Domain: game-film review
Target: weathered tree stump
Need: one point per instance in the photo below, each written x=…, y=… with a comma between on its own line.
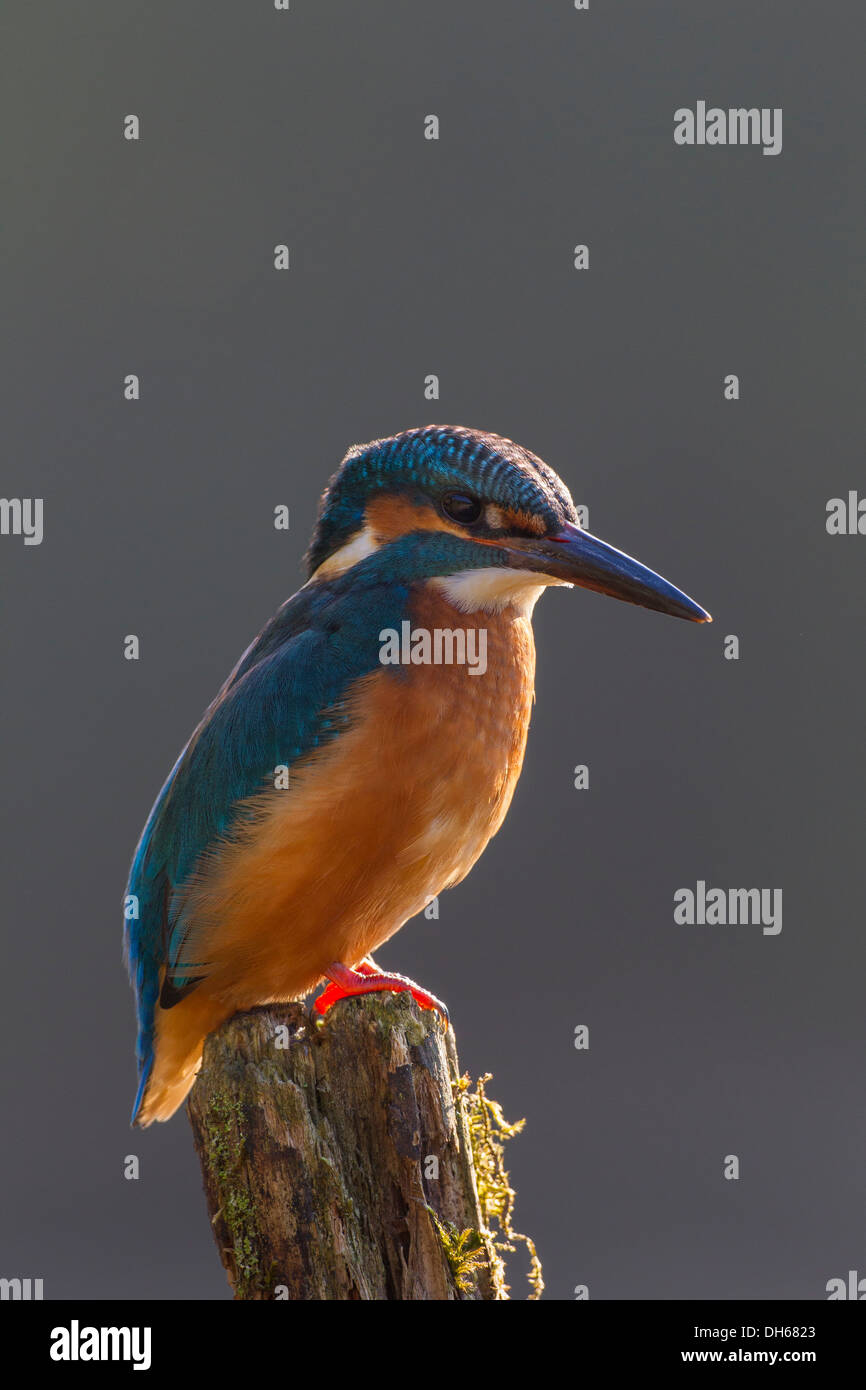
x=336, y=1156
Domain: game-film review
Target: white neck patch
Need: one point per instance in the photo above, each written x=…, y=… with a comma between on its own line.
x=491, y=590
x=355, y=550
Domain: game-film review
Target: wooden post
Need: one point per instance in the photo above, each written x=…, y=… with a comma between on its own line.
x=336, y=1156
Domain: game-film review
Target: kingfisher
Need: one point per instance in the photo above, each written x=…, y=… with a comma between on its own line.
x=329, y=794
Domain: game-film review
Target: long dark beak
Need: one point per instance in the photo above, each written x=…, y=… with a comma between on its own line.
x=576, y=557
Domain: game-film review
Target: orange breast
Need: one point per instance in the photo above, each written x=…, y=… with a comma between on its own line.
x=374, y=825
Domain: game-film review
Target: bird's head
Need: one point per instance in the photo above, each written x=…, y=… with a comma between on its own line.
x=483, y=517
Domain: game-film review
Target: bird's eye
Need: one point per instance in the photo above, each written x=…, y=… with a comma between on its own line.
x=461, y=507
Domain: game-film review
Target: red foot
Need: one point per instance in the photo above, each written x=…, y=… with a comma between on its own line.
x=367, y=978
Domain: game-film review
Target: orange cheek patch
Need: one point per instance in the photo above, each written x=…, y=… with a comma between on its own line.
x=391, y=517
x=388, y=518
x=523, y=521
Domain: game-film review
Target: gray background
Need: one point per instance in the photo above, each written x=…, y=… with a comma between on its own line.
x=454, y=257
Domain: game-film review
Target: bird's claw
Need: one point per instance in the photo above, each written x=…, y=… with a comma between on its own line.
x=349, y=984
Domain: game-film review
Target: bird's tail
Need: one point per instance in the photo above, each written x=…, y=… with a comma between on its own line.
x=179, y=1036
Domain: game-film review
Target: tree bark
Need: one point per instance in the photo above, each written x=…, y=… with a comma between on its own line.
x=336, y=1156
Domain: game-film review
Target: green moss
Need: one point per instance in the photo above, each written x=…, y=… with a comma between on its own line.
x=465, y=1252
x=388, y=1011
x=488, y=1132
x=226, y=1143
